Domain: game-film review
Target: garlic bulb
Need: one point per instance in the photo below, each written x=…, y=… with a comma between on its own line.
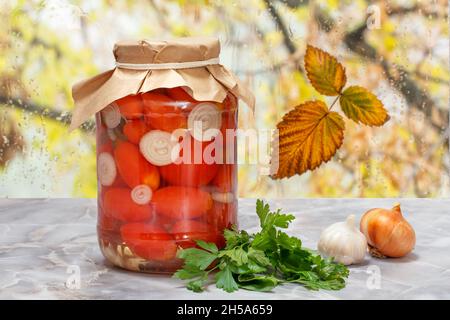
x=387, y=232
x=344, y=242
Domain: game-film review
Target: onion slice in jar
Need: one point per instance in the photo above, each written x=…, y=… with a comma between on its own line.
x=111, y=134
x=223, y=197
x=204, y=121
x=107, y=170
x=141, y=194
x=111, y=116
x=159, y=148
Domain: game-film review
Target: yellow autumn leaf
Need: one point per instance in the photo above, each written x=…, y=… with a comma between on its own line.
x=361, y=105
x=308, y=135
x=324, y=72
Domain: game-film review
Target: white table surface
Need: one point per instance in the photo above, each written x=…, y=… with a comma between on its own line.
x=43, y=242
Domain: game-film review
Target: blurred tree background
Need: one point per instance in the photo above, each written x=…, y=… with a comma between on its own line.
x=47, y=46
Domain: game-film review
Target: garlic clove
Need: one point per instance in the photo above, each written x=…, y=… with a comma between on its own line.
x=350, y=221
x=344, y=242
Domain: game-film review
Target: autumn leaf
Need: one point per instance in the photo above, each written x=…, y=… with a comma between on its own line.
x=360, y=105
x=324, y=72
x=308, y=135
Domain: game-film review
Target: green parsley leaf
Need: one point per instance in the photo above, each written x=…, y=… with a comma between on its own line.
x=262, y=210
x=258, y=256
x=335, y=284
x=238, y=255
x=282, y=220
x=208, y=246
x=249, y=268
x=287, y=242
x=197, y=257
x=235, y=238
x=272, y=219
x=257, y=282
x=188, y=272
x=225, y=280
x=265, y=241
x=196, y=285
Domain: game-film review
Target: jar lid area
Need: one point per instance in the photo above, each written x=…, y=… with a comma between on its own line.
x=166, y=51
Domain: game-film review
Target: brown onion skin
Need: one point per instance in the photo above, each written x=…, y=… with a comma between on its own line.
x=388, y=232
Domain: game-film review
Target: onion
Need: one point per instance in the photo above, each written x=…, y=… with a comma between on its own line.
x=111, y=134
x=141, y=194
x=111, y=116
x=204, y=121
x=106, y=168
x=159, y=148
x=387, y=232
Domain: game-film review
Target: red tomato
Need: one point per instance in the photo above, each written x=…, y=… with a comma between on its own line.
x=222, y=215
x=108, y=227
x=193, y=171
x=118, y=183
x=134, y=130
x=163, y=221
x=229, y=121
x=230, y=102
x=108, y=223
x=225, y=179
x=187, y=231
x=117, y=203
x=131, y=107
x=179, y=94
x=162, y=113
x=133, y=167
x=103, y=138
x=181, y=202
x=225, y=144
x=149, y=241
x=105, y=147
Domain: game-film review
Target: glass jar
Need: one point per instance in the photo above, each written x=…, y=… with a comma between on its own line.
x=167, y=176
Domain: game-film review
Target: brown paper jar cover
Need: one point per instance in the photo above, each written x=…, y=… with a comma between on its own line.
x=207, y=83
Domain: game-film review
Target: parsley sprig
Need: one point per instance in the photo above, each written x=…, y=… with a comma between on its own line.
x=259, y=261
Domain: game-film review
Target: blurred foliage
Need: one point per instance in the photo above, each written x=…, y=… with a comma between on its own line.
x=47, y=46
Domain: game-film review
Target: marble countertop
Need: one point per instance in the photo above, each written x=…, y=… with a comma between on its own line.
x=48, y=250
